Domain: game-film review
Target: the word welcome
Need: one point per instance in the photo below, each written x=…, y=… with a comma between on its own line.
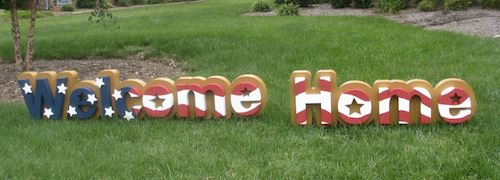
x=58, y=95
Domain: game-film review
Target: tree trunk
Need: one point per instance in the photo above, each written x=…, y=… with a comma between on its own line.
x=15, y=35
x=28, y=59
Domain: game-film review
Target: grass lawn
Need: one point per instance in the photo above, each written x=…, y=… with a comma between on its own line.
x=213, y=38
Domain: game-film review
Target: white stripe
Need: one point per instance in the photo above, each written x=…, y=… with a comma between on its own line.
x=236, y=101
x=346, y=99
x=447, y=90
x=326, y=78
x=200, y=100
x=323, y=98
x=220, y=104
x=444, y=110
x=299, y=79
x=423, y=91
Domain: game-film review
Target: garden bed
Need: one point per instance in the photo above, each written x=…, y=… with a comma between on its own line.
x=474, y=21
x=130, y=68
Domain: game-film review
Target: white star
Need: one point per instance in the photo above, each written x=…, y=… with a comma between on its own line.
x=109, y=111
x=27, y=88
x=71, y=111
x=117, y=94
x=61, y=88
x=128, y=115
x=48, y=112
x=99, y=82
x=91, y=98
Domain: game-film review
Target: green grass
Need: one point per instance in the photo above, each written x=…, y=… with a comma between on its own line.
x=213, y=38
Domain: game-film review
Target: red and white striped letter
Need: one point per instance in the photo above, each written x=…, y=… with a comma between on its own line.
x=303, y=96
x=456, y=103
x=354, y=102
x=248, y=95
x=404, y=92
x=200, y=86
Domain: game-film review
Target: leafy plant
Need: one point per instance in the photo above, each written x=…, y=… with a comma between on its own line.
x=340, y=3
x=101, y=14
x=362, y=3
x=427, y=5
x=301, y=3
x=260, y=6
x=490, y=4
x=288, y=9
x=67, y=7
x=137, y=2
x=457, y=5
x=391, y=6
x=88, y=4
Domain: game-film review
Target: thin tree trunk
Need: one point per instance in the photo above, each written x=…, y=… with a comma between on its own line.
x=16, y=37
x=28, y=59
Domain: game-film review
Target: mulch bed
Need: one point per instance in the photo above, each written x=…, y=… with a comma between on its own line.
x=474, y=21
x=129, y=68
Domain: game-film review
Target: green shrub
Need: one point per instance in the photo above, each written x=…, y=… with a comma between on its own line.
x=24, y=14
x=490, y=4
x=89, y=4
x=340, y=3
x=391, y=6
x=320, y=1
x=67, y=7
x=362, y=3
x=427, y=5
x=301, y=3
x=155, y=1
x=456, y=5
x=279, y=2
x=288, y=9
x=21, y=4
x=137, y=2
x=125, y=3
x=260, y=6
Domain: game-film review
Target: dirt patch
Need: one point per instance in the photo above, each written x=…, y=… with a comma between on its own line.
x=129, y=68
x=474, y=21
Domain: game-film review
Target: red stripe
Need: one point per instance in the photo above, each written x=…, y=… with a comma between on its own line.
x=405, y=95
x=238, y=89
x=199, y=112
x=252, y=112
x=157, y=90
x=183, y=110
x=300, y=87
x=301, y=117
x=404, y=116
x=358, y=93
x=215, y=88
x=448, y=98
x=324, y=85
x=326, y=117
x=155, y=113
x=425, y=120
x=384, y=118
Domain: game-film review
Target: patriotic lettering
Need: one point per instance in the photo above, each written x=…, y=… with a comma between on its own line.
x=388, y=102
x=313, y=100
x=52, y=95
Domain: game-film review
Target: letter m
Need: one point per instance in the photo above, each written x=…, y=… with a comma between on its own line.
x=402, y=102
